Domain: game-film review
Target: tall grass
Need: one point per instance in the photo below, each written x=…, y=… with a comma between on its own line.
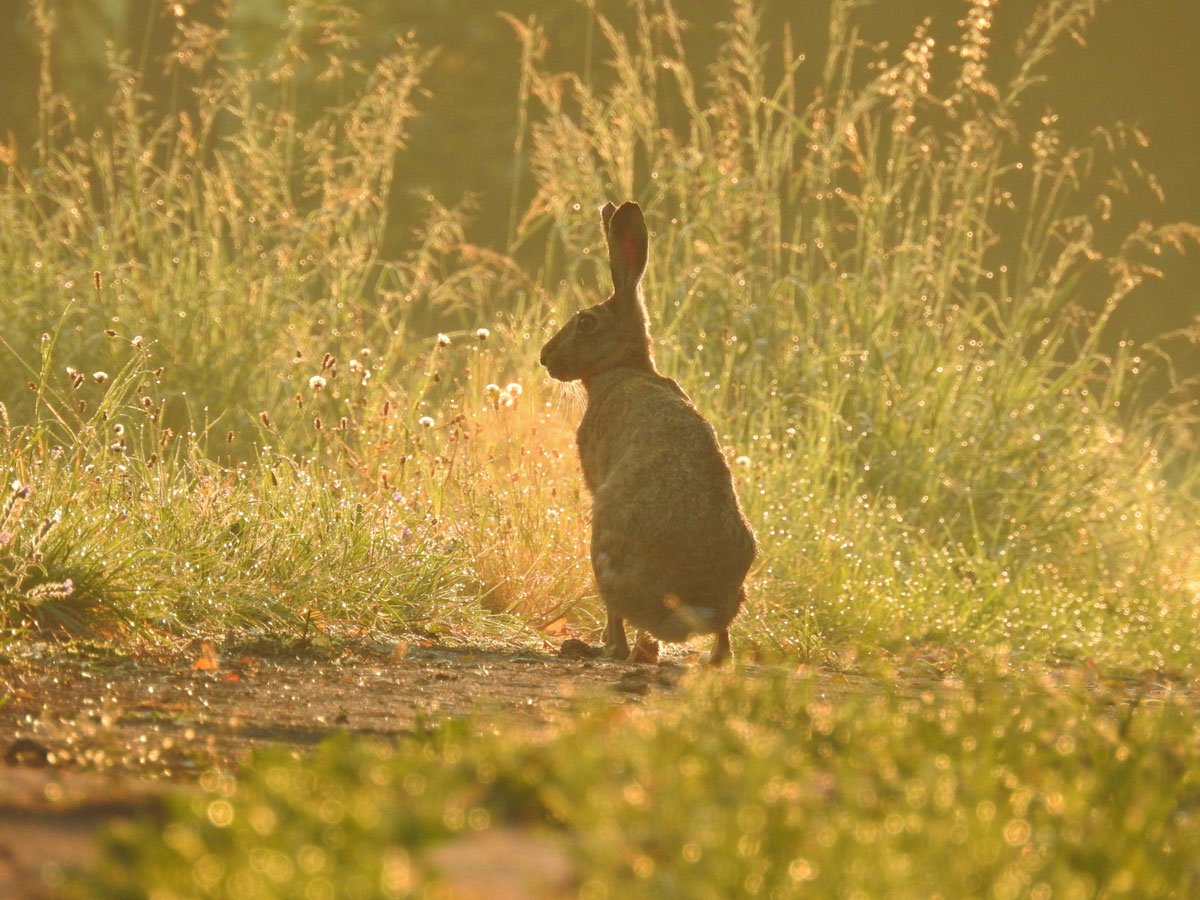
x=889, y=297
x=877, y=292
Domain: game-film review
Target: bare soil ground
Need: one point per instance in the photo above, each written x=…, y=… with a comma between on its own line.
x=92, y=738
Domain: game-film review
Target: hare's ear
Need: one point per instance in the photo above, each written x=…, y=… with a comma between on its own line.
x=606, y=215
x=626, y=232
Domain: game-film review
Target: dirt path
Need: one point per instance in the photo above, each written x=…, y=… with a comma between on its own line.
x=87, y=741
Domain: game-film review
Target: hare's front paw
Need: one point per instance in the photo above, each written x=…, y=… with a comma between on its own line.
x=615, y=644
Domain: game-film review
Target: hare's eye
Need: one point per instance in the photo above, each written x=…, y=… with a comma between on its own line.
x=586, y=324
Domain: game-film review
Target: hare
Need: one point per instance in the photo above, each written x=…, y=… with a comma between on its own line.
x=670, y=545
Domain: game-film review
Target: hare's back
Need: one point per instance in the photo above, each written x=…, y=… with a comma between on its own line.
x=661, y=487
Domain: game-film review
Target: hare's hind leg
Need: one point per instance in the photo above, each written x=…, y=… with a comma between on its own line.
x=645, y=649
x=615, y=644
x=721, y=651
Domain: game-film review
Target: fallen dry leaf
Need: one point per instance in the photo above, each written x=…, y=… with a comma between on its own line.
x=208, y=661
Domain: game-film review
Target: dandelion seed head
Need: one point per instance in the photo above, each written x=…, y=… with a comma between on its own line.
x=743, y=461
x=99, y=377
x=443, y=340
x=317, y=383
x=425, y=421
x=514, y=388
x=482, y=334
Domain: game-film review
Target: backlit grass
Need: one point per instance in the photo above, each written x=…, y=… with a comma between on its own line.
x=889, y=294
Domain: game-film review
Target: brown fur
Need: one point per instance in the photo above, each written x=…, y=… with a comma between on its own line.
x=670, y=545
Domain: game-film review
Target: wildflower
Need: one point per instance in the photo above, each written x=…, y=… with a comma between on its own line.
x=119, y=430
x=742, y=461
x=328, y=361
x=138, y=341
x=99, y=377
x=482, y=334
x=443, y=340
x=317, y=383
x=355, y=365
x=513, y=388
x=504, y=398
x=425, y=421
x=492, y=389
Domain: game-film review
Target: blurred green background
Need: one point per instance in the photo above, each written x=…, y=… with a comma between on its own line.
x=1138, y=64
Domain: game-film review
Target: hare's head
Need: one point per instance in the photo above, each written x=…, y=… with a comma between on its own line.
x=613, y=333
